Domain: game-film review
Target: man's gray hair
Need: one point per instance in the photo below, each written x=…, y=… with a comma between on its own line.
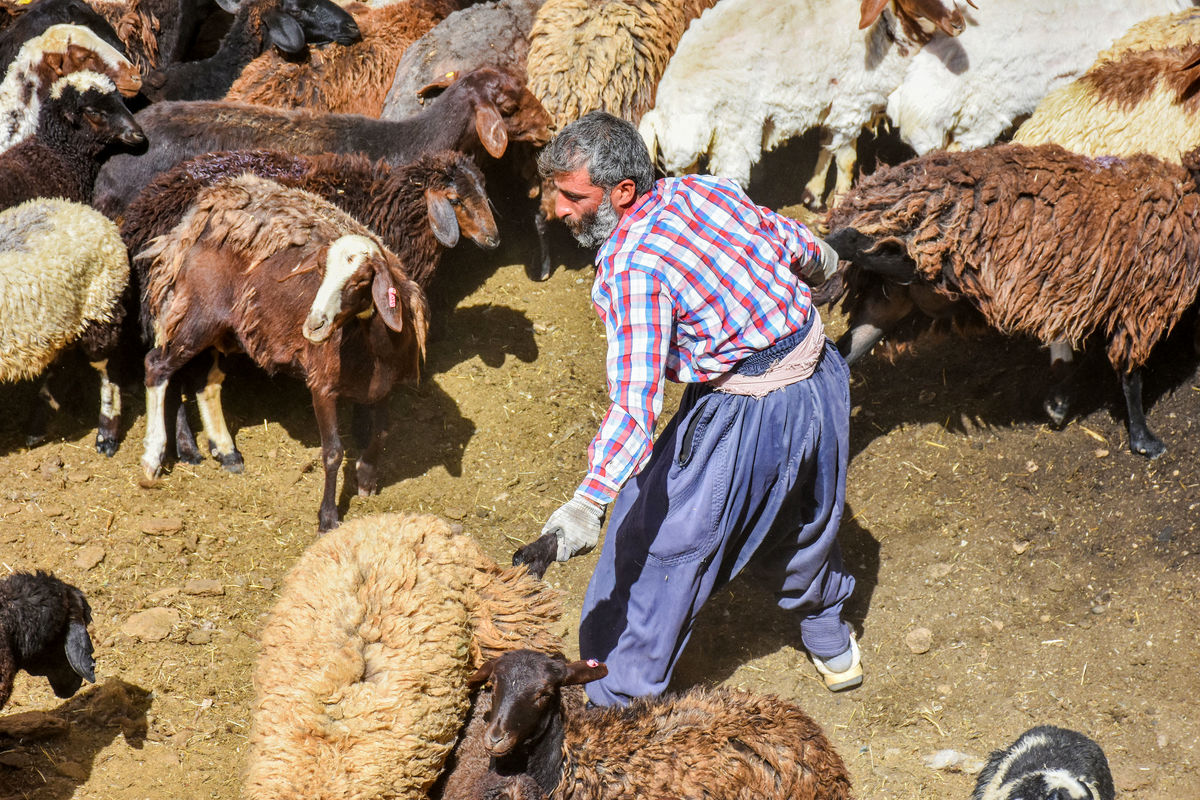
x=610, y=148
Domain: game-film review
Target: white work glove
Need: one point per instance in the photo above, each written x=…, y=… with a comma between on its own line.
x=824, y=267
x=576, y=523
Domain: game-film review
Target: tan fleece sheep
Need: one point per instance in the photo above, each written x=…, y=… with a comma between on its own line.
x=606, y=55
x=362, y=676
x=63, y=267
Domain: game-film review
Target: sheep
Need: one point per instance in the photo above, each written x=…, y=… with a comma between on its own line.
x=361, y=678
x=34, y=18
x=60, y=51
x=968, y=91
x=415, y=208
x=586, y=56
x=468, y=115
x=82, y=116
x=1046, y=763
x=64, y=268
x=43, y=630
x=1033, y=240
x=287, y=24
x=714, y=743
x=352, y=79
x=298, y=285
x=780, y=73
x=135, y=22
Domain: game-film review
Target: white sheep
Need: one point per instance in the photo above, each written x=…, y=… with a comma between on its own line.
x=361, y=681
x=59, y=51
x=63, y=267
x=747, y=76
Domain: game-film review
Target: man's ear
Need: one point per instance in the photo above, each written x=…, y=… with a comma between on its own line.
x=623, y=194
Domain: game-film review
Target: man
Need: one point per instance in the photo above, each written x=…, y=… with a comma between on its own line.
x=697, y=284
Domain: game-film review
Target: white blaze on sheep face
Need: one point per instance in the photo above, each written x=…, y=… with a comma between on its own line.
x=346, y=256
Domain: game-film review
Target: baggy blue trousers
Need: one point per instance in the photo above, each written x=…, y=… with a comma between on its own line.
x=730, y=477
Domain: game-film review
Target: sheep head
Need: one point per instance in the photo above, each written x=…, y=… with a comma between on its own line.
x=43, y=630
x=526, y=688
x=458, y=203
x=292, y=24
x=502, y=104
x=63, y=49
x=91, y=101
x=362, y=279
x=919, y=18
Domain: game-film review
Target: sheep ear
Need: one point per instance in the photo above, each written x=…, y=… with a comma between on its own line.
x=387, y=299
x=442, y=219
x=284, y=32
x=481, y=675
x=436, y=87
x=869, y=11
x=584, y=672
x=229, y=6
x=1190, y=59
x=490, y=127
x=55, y=62
x=79, y=652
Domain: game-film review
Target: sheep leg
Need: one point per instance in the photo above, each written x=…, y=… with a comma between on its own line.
x=810, y=198
x=110, y=411
x=845, y=157
x=1058, y=400
x=1141, y=440
x=154, y=444
x=220, y=440
x=195, y=376
x=325, y=407
x=539, y=225
x=39, y=414
x=370, y=432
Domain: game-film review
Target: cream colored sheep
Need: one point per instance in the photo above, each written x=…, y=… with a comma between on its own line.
x=362, y=676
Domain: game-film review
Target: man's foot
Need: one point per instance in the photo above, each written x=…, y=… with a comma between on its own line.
x=842, y=671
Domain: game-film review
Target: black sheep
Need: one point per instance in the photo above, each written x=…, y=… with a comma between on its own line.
x=1046, y=763
x=43, y=630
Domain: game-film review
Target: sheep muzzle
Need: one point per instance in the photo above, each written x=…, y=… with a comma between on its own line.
x=317, y=327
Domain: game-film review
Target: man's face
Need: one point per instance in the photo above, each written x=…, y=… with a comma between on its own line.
x=586, y=209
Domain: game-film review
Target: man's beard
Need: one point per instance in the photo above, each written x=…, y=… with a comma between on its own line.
x=592, y=229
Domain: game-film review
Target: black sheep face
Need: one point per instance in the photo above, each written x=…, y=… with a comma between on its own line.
x=1050, y=785
x=90, y=104
x=319, y=21
x=50, y=635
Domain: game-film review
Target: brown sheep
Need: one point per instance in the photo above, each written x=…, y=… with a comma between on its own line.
x=714, y=743
x=298, y=285
x=343, y=79
x=1035, y=240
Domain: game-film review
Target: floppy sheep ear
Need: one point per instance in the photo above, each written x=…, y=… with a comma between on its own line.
x=388, y=301
x=584, y=672
x=869, y=11
x=489, y=125
x=284, y=32
x=79, y=652
x=55, y=62
x=442, y=219
x=434, y=88
x=481, y=675
x=1190, y=59
x=229, y=6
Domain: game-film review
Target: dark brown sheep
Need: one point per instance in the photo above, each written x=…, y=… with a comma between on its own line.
x=713, y=743
x=343, y=79
x=416, y=209
x=1035, y=240
x=468, y=116
x=82, y=117
x=299, y=286
x=43, y=631
x=289, y=25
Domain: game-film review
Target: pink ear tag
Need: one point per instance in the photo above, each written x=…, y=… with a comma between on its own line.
x=391, y=297
x=593, y=663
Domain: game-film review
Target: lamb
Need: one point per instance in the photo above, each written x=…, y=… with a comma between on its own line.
x=1033, y=240
x=715, y=743
x=43, y=630
x=82, y=116
x=361, y=679
x=60, y=51
x=72, y=296
x=298, y=285
x=608, y=56
x=34, y=18
x=467, y=116
x=351, y=79
x=1046, y=763
x=416, y=209
x=723, y=112
x=286, y=24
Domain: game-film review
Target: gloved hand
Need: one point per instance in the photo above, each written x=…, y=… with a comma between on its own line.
x=824, y=267
x=577, y=525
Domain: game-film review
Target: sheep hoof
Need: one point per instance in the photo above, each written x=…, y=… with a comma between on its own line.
x=1056, y=407
x=35, y=439
x=325, y=525
x=538, y=554
x=231, y=462
x=186, y=452
x=1150, y=447
x=106, y=445
x=812, y=202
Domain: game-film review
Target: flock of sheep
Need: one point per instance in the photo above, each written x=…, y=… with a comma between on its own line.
x=287, y=191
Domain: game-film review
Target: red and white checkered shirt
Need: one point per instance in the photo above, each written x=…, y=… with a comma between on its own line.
x=695, y=278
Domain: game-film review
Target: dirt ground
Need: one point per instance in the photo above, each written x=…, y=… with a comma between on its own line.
x=1044, y=576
